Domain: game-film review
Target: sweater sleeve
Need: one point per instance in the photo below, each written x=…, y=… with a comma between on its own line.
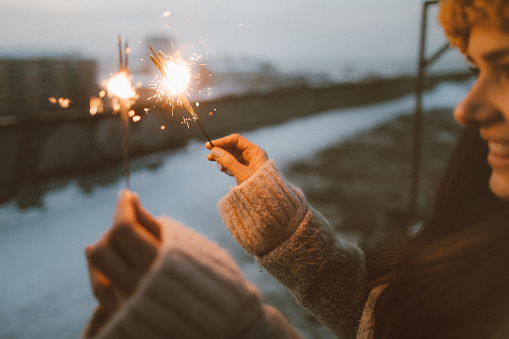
x=271, y=219
x=195, y=290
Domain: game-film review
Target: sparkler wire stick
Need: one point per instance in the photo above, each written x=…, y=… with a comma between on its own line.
x=125, y=141
x=157, y=59
x=124, y=115
x=126, y=67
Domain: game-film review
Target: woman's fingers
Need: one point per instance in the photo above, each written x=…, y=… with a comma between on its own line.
x=114, y=268
x=145, y=218
x=101, y=286
x=237, y=155
x=135, y=233
x=125, y=253
x=224, y=170
x=124, y=210
x=230, y=141
x=244, y=150
x=230, y=163
x=136, y=245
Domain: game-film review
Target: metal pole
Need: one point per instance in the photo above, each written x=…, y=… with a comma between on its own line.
x=417, y=121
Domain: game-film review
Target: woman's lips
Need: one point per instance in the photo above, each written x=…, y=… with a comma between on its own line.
x=499, y=154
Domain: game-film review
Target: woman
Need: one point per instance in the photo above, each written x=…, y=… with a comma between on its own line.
x=471, y=191
x=142, y=286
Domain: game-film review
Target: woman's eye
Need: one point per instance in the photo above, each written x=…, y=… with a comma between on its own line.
x=472, y=67
x=475, y=70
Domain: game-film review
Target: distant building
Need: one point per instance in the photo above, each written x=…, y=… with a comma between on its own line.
x=27, y=85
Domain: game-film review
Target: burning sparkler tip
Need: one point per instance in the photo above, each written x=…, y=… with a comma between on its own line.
x=176, y=77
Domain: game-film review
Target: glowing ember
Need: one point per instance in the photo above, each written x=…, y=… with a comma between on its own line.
x=119, y=85
x=63, y=102
x=178, y=77
x=173, y=85
x=96, y=105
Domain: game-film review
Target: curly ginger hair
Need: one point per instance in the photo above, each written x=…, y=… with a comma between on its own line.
x=458, y=16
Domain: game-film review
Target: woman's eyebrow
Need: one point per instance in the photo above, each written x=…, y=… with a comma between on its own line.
x=494, y=55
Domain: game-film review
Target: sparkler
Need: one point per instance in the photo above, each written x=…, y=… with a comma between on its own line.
x=177, y=76
x=119, y=87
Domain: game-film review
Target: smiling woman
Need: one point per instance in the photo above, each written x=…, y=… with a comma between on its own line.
x=482, y=34
x=486, y=104
x=473, y=196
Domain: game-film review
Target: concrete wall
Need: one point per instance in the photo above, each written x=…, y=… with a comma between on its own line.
x=34, y=147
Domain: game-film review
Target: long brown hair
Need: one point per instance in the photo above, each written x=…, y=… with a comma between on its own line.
x=456, y=287
x=462, y=199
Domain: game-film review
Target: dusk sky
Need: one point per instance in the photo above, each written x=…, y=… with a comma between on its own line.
x=283, y=32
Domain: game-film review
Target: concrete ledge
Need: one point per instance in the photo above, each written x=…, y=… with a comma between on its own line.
x=34, y=147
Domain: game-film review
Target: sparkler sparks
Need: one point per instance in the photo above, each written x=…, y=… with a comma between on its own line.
x=176, y=75
x=119, y=86
x=96, y=105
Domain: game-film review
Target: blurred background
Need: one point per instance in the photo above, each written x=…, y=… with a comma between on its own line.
x=326, y=87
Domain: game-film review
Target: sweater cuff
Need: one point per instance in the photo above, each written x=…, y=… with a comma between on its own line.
x=263, y=211
x=324, y=272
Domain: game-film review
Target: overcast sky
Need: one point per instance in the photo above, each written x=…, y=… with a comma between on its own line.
x=280, y=31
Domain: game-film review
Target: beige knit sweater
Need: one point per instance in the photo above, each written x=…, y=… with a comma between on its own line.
x=195, y=289
x=271, y=219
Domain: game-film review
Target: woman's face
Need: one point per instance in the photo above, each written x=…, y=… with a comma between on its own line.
x=487, y=103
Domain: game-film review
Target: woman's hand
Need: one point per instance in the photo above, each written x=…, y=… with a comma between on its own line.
x=124, y=254
x=242, y=158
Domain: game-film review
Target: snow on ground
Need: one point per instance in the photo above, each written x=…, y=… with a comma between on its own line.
x=44, y=289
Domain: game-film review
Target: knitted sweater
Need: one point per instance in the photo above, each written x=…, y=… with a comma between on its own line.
x=271, y=219
x=195, y=289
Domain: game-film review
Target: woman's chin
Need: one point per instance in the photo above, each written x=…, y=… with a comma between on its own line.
x=499, y=185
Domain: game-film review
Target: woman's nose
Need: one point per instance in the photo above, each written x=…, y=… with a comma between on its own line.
x=477, y=108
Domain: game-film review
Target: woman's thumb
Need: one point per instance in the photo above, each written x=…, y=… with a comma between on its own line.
x=124, y=212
